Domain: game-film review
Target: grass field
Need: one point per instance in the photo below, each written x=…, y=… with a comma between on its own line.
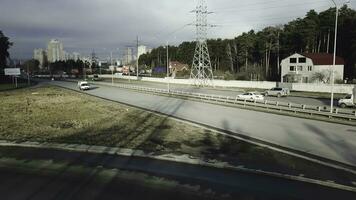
x=52, y=114
x=11, y=86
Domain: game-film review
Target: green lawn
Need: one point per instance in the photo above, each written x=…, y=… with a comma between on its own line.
x=52, y=114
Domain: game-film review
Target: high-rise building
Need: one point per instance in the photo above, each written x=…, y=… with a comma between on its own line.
x=128, y=56
x=40, y=55
x=55, y=51
x=141, y=50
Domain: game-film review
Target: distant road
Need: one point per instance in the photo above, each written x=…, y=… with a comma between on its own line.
x=333, y=141
x=34, y=176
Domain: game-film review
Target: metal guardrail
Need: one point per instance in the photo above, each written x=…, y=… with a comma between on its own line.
x=268, y=105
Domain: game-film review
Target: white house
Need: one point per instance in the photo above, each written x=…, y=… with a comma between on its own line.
x=311, y=67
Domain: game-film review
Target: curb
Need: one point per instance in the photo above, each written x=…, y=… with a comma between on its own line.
x=184, y=159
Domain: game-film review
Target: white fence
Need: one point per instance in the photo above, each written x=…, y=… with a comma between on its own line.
x=302, y=87
x=338, y=88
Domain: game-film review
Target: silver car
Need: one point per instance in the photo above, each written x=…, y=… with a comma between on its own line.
x=278, y=92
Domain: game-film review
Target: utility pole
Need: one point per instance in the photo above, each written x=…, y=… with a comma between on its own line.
x=334, y=57
x=201, y=72
x=278, y=56
x=167, y=47
x=127, y=57
x=28, y=74
x=84, y=72
x=137, y=58
x=334, y=60
x=328, y=45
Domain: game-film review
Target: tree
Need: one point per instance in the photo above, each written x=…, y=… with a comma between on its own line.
x=261, y=50
x=319, y=77
x=33, y=66
x=5, y=45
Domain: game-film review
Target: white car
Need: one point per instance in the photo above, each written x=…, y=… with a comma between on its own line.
x=251, y=96
x=347, y=101
x=278, y=92
x=83, y=85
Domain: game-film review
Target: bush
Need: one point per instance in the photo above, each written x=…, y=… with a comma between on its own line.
x=339, y=81
x=159, y=75
x=183, y=74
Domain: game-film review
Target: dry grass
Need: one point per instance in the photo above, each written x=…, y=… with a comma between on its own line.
x=51, y=114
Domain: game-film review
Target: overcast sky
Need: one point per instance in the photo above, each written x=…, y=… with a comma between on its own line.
x=112, y=25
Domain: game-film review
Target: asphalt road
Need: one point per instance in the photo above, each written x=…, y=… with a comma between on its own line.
x=333, y=141
x=229, y=92
x=51, y=174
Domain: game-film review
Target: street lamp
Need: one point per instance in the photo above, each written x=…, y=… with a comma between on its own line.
x=168, y=86
x=334, y=57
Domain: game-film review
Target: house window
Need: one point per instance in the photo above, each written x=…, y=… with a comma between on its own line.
x=300, y=68
x=302, y=60
x=293, y=60
x=292, y=68
x=310, y=68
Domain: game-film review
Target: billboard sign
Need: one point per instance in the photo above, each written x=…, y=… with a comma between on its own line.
x=12, y=71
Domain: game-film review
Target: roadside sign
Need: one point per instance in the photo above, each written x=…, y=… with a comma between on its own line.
x=12, y=71
x=112, y=68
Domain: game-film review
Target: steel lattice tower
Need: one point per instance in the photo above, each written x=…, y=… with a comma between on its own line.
x=201, y=72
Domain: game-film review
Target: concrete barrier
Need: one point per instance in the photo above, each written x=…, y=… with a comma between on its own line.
x=301, y=87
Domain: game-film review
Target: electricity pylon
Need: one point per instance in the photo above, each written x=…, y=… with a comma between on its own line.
x=201, y=72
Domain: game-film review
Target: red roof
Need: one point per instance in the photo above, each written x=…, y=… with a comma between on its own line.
x=324, y=58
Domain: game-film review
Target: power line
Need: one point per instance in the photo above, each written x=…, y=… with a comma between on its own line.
x=242, y=9
x=267, y=17
x=264, y=2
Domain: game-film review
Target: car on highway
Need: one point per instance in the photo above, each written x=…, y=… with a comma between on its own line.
x=96, y=78
x=278, y=92
x=83, y=85
x=251, y=96
x=347, y=101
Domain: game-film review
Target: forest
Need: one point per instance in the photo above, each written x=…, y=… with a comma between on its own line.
x=255, y=55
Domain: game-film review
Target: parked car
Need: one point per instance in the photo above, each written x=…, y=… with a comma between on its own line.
x=278, y=92
x=251, y=96
x=96, y=78
x=83, y=85
x=347, y=101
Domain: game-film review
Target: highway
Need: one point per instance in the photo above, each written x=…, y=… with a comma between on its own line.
x=28, y=173
x=333, y=141
x=227, y=92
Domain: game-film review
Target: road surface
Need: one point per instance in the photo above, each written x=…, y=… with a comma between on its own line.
x=328, y=140
x=228, y=92
x=35, y=174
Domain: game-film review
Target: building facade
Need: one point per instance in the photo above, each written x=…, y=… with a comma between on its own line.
x=41, y=56
x=128, y=58
x=311, y=68
x=55, y=51
x=141, y=50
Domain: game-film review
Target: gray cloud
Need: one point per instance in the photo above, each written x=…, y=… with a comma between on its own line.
x=105, y=25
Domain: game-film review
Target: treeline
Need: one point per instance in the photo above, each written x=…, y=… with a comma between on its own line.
x=256, y=55
x=5, y=44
